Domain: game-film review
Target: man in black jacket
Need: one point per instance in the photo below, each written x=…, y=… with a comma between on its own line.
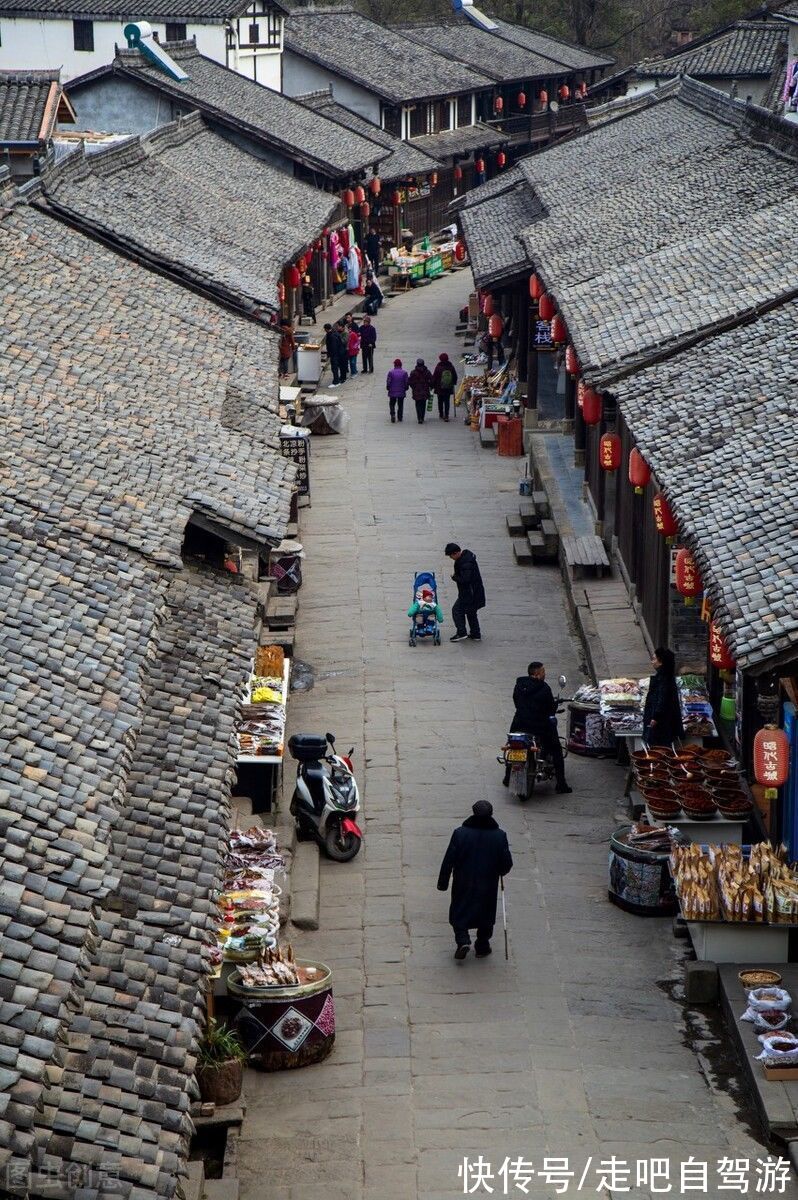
x=536, y=714
x=470, y=593
x=477, y=857
x=332, y=342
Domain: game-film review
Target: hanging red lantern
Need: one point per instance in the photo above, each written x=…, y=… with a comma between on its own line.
x=501, y=159
x=498, y=104
x=771, y=757
x=488, y=307
x=281, y=292
x=543, y=97
x=348, y=197
x=479, y=166
x=292, y=276
x=688, y=577
x=564, y=92
x=664, y=519
x=571, y=361
x=396, y=199
x=374, y=185
x=610, y=452
x=591, y=406
x=460, y=251
x=582, y=89
x=458, y=173
x=360, y=194
x=522, y=99
x=433, y=179
x=365, y=209
x=719, y=653
x=546, y=307
x=495, y=326
x=559, y=330
x=536, y=288
x=639, y=471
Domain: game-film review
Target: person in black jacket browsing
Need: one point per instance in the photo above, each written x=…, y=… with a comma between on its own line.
x=662, y=712
x=477, y=857
x=470, y=593
x=536, y=714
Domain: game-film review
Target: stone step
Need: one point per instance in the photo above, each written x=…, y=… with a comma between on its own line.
x=281, y=611
x=541, y=503
x=221, y=1189
x=536, y=543
x=193, y=1186
x=487, y=437
x=515, y=526
x=528, y=515
x=551, y=537
x=522, y=552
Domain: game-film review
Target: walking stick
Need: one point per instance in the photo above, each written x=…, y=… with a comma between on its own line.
x=504, y=919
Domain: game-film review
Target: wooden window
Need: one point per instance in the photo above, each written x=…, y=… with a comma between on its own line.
x=83, y=35
x=441, y=120
x=463, y=111
x=175, y=31
x=418, y=121
x=392, y=121
x=274, y=23
x=253, y=36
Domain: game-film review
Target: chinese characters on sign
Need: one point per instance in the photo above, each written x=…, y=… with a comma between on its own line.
x=542, y=335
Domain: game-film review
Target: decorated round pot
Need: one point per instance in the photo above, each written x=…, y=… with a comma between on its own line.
x=286, y=1027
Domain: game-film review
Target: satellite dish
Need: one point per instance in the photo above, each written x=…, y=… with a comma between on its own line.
x=554, y=106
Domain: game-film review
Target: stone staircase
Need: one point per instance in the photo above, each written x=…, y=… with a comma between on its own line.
x=534, y=534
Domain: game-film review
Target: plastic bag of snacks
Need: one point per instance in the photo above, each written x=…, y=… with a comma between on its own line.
x=771, y=1018
x=779, y=1049
x=761, y=999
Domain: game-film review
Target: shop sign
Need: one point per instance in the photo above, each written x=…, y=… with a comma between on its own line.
x=542, y=337
x=406, y=195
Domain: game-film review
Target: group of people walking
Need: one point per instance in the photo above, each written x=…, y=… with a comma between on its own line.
x=422, y=384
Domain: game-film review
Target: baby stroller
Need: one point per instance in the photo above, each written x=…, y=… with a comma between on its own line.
x=425, y=613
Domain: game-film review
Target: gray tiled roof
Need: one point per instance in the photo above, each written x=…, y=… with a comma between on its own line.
x=260, y=112
x=717, y=426
x=460, y=141
x=23, y=103
x=377, y=58
x=747, y=50
x=189, y=200
x=576, y=58
x=492, y=230
x=204, y=12
x=503, y=60
x=404, y=158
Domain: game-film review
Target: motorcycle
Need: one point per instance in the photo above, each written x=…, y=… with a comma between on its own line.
x=326, y=796
x=528, y=765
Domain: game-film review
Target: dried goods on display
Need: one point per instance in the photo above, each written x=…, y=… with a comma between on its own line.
x=720, y=884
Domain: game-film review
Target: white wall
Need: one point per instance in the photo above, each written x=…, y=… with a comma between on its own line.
x=261, y=65
x=300, y=75
x=42, y=45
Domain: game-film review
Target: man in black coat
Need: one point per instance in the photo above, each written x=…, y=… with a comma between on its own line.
x=536, y=713
x=477, y=857
x=470, y=593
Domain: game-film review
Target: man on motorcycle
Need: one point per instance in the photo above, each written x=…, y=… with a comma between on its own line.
x=536, y=714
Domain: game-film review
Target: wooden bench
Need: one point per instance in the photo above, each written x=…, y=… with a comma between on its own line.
x=585, y=554
x=281, y=612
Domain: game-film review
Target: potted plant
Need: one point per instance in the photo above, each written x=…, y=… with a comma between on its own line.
x=220, y=1073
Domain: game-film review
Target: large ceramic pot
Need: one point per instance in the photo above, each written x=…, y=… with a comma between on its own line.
x=221, y=1084
x=285, y=1027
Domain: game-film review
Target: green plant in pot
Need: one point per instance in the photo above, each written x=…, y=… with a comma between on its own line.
x=220, y=1073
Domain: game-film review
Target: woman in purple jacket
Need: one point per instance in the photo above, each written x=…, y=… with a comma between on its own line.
x=397, y=383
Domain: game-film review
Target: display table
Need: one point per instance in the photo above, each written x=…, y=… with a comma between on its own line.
x=259, y=774
x=751, y=943
x=715, y=831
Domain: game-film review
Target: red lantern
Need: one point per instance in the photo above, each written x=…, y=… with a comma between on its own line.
x=719, y=653
x=375, y=185
x=292, y=277
x=488, y=307
x=479, y=166
x=365, y=209
x=536, y=288
x=559, y=330
x=610, y=452
x=396, y=199
x=591, y=406
x=571, y=361
x=433, y=179
x=495, y=326
x=501, y=159
x=460, y=251
x=458, y=173
x=546, y=307
x=360, y=194
x=688, y=577
x=639, y=471
x=498, y=104
x=522, y=99
x=564, y=91
x=582, y=89
x=348, y=197
x=771, y=757
x=664, y=519
x=543, y=97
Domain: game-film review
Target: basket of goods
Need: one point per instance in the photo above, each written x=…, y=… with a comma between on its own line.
x=735, y=807
x=757, y=977
x=664, y=809
x=697, y=802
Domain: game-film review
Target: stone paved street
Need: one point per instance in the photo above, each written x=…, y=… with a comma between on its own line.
x=575, y=1047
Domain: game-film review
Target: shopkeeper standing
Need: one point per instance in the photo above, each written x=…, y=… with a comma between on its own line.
x=662, y=712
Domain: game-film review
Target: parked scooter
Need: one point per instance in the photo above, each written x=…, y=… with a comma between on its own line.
x=326, y=797
x=528, y=765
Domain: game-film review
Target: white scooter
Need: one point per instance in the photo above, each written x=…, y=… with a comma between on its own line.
x=326, y=797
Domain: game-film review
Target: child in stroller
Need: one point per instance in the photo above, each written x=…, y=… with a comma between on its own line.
x=425, y=612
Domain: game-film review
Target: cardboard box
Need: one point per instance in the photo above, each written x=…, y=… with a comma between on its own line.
x=787, y=1074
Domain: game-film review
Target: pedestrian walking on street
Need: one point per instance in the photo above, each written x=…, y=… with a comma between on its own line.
x=662, y=711
x=444, y=379
x=397, y=383
x=368, y=340
x=287, y=347
x=536, y=714
x=353, y=348
x=420, y=386
x=477, y=858
x=470, y=593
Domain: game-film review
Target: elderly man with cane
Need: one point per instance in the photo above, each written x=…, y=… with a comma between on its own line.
x=476, y=860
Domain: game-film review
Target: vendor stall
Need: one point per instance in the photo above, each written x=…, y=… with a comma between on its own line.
x=262, y=732
x=697, y=790
x=639, y=877
x=589, y=733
